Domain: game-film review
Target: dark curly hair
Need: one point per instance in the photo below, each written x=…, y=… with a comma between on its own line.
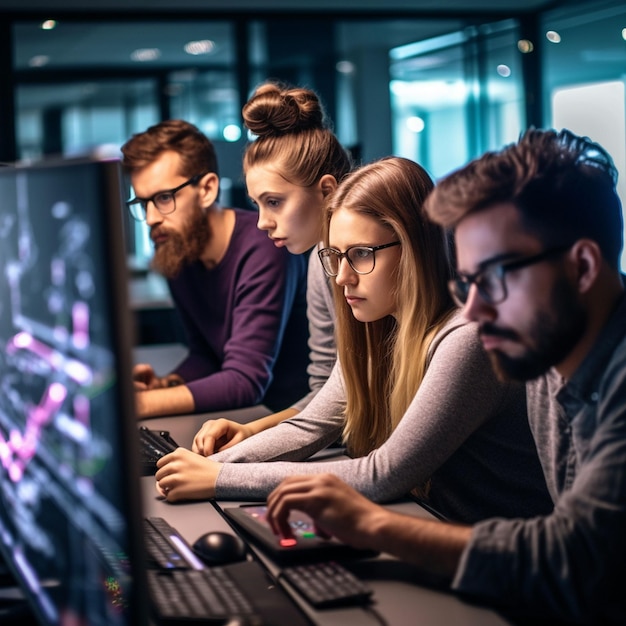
x=563, y=185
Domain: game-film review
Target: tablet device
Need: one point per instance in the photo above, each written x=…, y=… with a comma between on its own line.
x=251, y=520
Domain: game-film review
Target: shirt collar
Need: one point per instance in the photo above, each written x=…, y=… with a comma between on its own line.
x=586, y=380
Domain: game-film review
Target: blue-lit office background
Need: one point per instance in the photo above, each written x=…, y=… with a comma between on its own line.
x=437, y=90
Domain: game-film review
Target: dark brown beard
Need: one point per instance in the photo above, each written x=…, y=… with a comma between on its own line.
x=556, y=331
x=184, y=248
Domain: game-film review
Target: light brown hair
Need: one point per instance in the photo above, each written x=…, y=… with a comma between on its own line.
x=293, y=135
x=197, y=153
x=563, y=186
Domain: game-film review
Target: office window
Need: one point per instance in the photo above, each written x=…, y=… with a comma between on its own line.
x=210, y=100
x=585, y=83
x=366, y=117
x=456, y=95
x=85, y=85
x=71, y=119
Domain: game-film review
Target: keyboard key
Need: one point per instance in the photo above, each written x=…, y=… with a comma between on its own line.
x=152, y=446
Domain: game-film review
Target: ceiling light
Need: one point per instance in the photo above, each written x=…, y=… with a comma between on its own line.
x=503, y=70
x=415, y=124
x=231, y=132
x=145, y=54
x=345, y=67
x=525, y=46
x=39, y=60
x=553, y=37
x=624, y=33
x=48, y=24
x=203, y=46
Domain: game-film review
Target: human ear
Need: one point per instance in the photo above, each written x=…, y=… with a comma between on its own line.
x=209, y=186
x=587, y=258
x=327, y=184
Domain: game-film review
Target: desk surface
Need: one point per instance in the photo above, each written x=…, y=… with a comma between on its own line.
x=399, y=599
x=149, y=291
x=163, y=357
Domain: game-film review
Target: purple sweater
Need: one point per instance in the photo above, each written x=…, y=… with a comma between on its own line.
x=245, y=322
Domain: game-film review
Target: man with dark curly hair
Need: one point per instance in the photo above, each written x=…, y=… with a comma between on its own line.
x=539, y=233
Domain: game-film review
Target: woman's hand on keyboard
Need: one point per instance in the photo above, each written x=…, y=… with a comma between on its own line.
x=219, y=434
x=185, y=475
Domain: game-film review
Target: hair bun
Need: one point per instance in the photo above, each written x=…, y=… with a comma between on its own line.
x=274, y=110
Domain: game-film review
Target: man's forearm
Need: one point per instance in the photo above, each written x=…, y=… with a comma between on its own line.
x=175, y=400
x=433, y=546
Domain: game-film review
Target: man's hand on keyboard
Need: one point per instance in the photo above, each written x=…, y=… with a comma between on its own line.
x=185, y=475
x=145, y=378
x=337, y=509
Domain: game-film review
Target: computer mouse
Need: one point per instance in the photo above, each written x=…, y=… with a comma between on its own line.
x=219, y=548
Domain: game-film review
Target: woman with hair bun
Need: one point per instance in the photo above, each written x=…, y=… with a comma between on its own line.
x=292, y=165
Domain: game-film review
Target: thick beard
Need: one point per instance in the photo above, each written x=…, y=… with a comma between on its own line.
x=184, y=248
x=555, y=333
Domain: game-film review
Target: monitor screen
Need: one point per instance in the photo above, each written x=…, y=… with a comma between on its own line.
x=69, y=518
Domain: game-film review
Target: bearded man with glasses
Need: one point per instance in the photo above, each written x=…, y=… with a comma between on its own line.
x=538, y=229
x=242, y=301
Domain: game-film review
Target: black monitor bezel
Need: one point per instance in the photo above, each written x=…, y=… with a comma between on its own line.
x=110, y=188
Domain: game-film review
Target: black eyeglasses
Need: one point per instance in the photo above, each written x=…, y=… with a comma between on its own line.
x=490, y=280
x=164, y=201
x=362, y=259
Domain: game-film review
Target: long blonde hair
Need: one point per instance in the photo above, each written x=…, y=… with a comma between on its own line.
x=384, y=361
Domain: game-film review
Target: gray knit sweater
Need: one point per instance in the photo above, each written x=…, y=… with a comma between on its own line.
x=320, y=312
x=464, y=430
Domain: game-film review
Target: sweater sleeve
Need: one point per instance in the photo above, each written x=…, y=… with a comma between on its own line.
x=321, y=316
x=297, y=438
x=458, y=393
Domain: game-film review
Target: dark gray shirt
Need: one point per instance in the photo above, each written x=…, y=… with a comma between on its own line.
x=570, y=565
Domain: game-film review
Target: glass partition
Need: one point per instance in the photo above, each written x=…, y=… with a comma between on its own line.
x=584, y=69
x=440, y=91
x=456, y=95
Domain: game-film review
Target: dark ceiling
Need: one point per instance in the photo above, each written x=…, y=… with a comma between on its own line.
x=435, y=6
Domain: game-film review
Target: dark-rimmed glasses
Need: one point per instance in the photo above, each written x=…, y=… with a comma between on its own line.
x=491, y=279
x=362, y=259
x=164, y=201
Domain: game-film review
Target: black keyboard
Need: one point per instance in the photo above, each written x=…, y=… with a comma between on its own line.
x=327, y=584
x=165, y=548
x=153, y=444
x=185, y=591
x=208, y=596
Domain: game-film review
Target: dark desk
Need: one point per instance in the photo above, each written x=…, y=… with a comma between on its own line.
x=149, y=291
x=399, y=600
x=163, y=357
x=155, y=317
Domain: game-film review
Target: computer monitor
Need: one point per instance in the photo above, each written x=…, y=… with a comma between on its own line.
x=69, y=478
